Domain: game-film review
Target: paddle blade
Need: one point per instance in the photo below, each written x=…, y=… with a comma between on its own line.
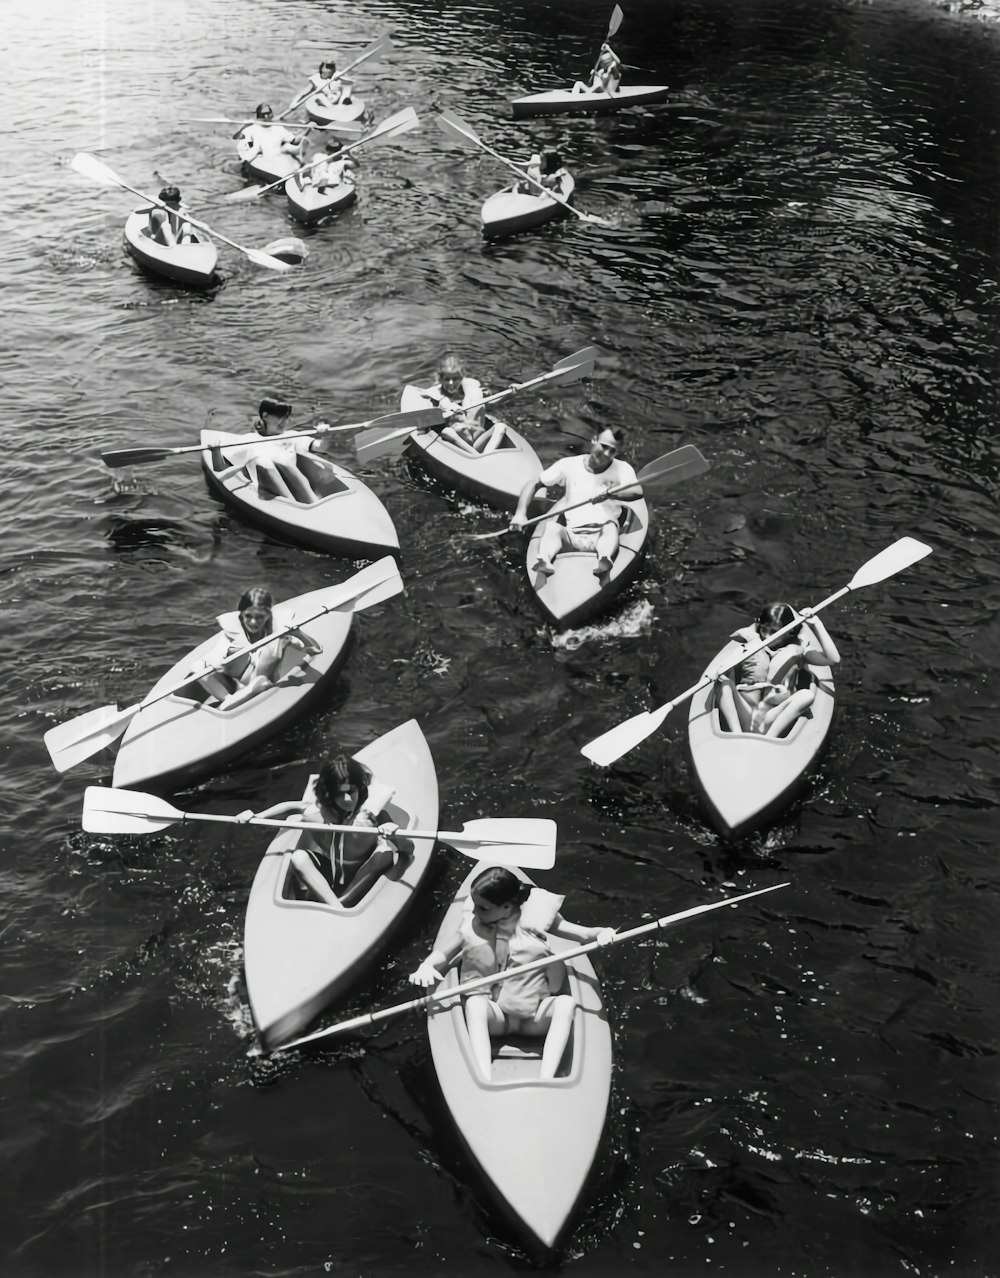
x=901, y=554
x=135, y=456
x=673, y=468
x=371, y=444
x=245, y=194
x=402, y=122
x=72, y=742
x=574, y=367
x=265, y=259
x=616, y=20
x=371, y=586
x=89, y=166
x=107, y=811
x=414, y=419
x=528, y=842
x=606, y=749
x=456, y=128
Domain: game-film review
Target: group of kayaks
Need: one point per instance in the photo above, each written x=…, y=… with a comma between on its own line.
x=534, y=1140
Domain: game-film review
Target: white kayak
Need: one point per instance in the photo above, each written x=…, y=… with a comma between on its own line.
x=512, y=210
x=300, y=954
x=308, y=204
x=192, y=264
x=566, y=102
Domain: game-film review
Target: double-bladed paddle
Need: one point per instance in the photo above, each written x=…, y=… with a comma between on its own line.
x=672, y=468
x=402, y=122
x=607, y=748
x=346, y=126
x=70, y=743
x=485, y=982
x=418, y=419
x=382, y=45
x=374, y=443
x=91, y=167
x=528, y=842
x=457, y=128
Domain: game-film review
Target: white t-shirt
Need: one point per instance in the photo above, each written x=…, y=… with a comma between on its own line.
x=580, y=483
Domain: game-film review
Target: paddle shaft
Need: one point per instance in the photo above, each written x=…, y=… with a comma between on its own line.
x=610, y=492
x=486, y=982
x=379, y=46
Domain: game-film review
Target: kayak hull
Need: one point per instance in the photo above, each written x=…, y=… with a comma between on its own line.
x=533, y=1141
x=266, y=168
x=348, y=519
x=565, y=102
x=193, y=265
x=494, y=478
x=301, y=955
x=745, y=779
x=179, y=740
x=309, y=205
x=573, y=596
x=346, y=113
x=511, y=211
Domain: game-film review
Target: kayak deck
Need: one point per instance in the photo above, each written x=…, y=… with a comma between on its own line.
x=566, y=102
x=308, y=204
x=511, y=210
x=191, y=264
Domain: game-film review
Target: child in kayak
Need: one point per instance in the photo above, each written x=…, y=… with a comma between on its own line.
x=168, y=225
x=458, y=397
x=261, y=462
x=606, y=75
x=505, y=924
x=341, y=869
x=763, y=695
x=254, y=673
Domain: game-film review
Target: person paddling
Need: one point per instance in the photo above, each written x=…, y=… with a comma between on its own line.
x=585, y=478
x=168, y=225
x=329, y=168
x=456, y=394
x=264, y=140
x=505, y=925
x=333, y=91
x=262, y=461
x=606, y=75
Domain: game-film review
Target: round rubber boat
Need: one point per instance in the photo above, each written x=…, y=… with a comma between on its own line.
x=346, y=519
x=266, y=168
x=511, y=211
x=301, y=955
x=190, y=264
x=347, y=113
x=566, y=102
x=494, y=478
x=745, y=779
x=308, y=204
x=572, y=596
x=534, y=1141
x=180, y=740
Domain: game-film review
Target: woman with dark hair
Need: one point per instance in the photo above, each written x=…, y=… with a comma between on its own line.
x=340, y=869
x=168, y=225
x=251, y=673
x=505, y=925
x=228, y=459
x=764, y=694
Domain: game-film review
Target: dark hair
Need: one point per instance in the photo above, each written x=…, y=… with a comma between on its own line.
x=270, y=407
x=772, y=617
x=328, y=63
x=450, y=365
x=551, y=162
x=170, y=195
x=334, y=147
x=617, y=431
x=336, y=772
x=256, y=597
x=263, y=107
x=500, y=886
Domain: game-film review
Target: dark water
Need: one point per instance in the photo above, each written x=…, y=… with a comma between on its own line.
x=802, y=280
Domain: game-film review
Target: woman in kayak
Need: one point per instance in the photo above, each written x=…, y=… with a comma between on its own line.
x=504, y=926
x=262, y=462
x=340, y=869
x=460, y=398
x=168, y=225
x=252, y=673
x=764, y=695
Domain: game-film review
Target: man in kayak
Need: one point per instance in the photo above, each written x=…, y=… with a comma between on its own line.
x=606, y=75
x=262, y=461
x=459, y=397
x=264, y=139
x=587, y=478
x=167, y=225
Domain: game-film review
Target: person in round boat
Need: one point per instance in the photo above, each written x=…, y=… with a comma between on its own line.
x=606, y=75
x=543, y=171
x=333, y=90
x=265, y=137
x=329, y=168
x=168, y=225
x=764, y=693
x=249, y=674
x=587, y=478
x=341, y=868
x=504, y=925
x=460, y=397
x=262, y=461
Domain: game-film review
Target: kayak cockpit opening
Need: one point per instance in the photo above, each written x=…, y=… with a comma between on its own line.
x=736, y=708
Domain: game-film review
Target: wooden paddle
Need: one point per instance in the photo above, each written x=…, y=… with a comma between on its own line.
x=484, y=982
x=672, y=468
x=402, y=122
x=606, y=749
x=90, y=166
x=418, y=419
x=532, y=840
x=382, y=45
x=70, y=743
x=374, y=443
x=462, y=132
x=346, y=126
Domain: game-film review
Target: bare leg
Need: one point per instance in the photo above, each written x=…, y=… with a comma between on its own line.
x=736, y=713
x=780, y=718
x=257, y=684
x=607, y=548
x=555, y=1022
x=549, y=546
x=305, y=867
x=490, y=440
x=483, y=1022
x=377, y=864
